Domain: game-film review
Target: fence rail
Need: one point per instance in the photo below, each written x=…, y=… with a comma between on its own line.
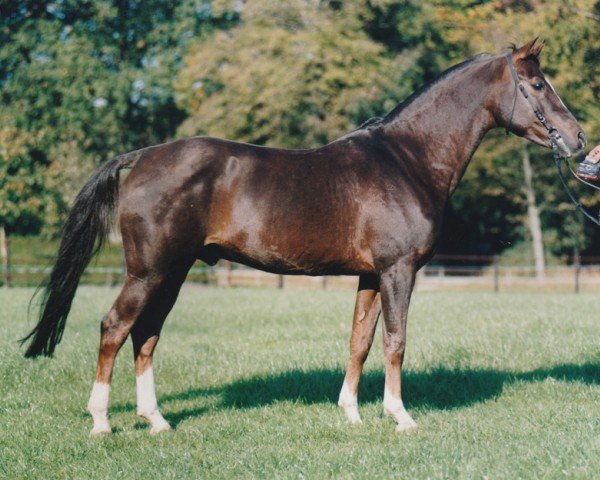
x=444, y=272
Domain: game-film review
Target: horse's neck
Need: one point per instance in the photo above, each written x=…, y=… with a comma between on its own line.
x=440, y=130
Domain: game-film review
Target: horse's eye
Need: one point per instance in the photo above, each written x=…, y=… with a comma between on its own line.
x=539, y=85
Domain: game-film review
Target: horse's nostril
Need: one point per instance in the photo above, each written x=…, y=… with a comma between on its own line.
x=582, y=140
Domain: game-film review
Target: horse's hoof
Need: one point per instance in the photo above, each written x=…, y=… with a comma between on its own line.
x=404, y=421
x=100, y=432
x=406, y=426
x=160, y=428
x=157, y=422
x=352, y=414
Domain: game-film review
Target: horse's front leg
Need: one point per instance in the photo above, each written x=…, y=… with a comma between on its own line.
x=366, y=313
x=396, y=284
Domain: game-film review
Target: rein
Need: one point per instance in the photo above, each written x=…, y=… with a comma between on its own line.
x=554, y=139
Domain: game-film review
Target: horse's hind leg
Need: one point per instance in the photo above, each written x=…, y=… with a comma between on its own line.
x=147, y=406
x=114, y=330
x=144, y=335
x=366, y=313
x=137, y=297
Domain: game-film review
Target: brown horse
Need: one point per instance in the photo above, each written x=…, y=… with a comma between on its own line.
x=369, y=204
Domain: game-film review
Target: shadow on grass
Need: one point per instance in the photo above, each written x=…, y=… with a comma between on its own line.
x=438, y=389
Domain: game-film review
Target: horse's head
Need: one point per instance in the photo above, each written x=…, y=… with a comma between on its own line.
x=530, y=107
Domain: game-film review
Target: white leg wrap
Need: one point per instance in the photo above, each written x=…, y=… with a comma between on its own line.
x=394, y=407
x=146, y=400
x=349, y=402
x=98, y=407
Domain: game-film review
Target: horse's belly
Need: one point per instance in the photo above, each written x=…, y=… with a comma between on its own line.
x=299, y=259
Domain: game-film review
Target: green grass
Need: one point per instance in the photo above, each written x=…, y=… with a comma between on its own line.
x=502, y=386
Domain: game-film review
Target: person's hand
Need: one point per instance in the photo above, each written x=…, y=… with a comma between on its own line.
x=589, y=169
x=594, y=155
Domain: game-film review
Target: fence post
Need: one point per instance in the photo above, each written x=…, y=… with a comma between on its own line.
x=229, y=274
x=496, y=261
x=281, y=282
x=324, y=284
x=577, y=266
x=5, y=255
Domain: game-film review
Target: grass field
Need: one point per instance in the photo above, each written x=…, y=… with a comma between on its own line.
x=502, y=386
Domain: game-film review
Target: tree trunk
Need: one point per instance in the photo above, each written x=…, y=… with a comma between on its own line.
x=5, y=255
x=535, y=225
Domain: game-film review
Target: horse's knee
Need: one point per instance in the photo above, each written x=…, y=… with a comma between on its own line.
x=393, y=347
x=109, y=321
x=113, y=328
x=359, y=351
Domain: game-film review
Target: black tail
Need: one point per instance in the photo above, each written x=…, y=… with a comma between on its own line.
x=83, y=235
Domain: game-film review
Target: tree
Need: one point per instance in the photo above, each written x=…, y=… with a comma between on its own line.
x=93, y=79
x=533, y=215
x=291, y=74
x=300, y=73
x=21, y=188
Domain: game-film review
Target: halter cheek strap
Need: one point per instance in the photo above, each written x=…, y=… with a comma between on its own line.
x=517, y=84
x=552, y=132
x=554, y=139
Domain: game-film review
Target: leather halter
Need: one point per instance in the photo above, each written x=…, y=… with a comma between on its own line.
x=554, y=137
x=552, y=132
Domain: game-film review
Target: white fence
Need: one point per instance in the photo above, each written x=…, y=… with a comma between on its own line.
x=464, y=276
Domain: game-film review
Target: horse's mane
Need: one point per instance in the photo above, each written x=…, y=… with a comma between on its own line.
x=426, y=87
x=376, y=121
x=370, y=122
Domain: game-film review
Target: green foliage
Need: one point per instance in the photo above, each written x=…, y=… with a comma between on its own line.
x=291, y=74
x=21, y=186
x=82, y=81
x=521, y=253
x=299, y=73
x=89, y=80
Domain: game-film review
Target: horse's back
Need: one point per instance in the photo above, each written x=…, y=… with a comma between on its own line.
x=303, y=211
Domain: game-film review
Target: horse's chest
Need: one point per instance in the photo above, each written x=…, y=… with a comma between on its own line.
x=403, y=230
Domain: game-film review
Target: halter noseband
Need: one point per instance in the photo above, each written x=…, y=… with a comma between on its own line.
x=554, y=137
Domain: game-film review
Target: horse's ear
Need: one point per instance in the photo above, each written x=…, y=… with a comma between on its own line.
x=530, y=49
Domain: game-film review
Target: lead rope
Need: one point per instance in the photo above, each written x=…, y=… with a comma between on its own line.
x=559, y=160
x=554, y=137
